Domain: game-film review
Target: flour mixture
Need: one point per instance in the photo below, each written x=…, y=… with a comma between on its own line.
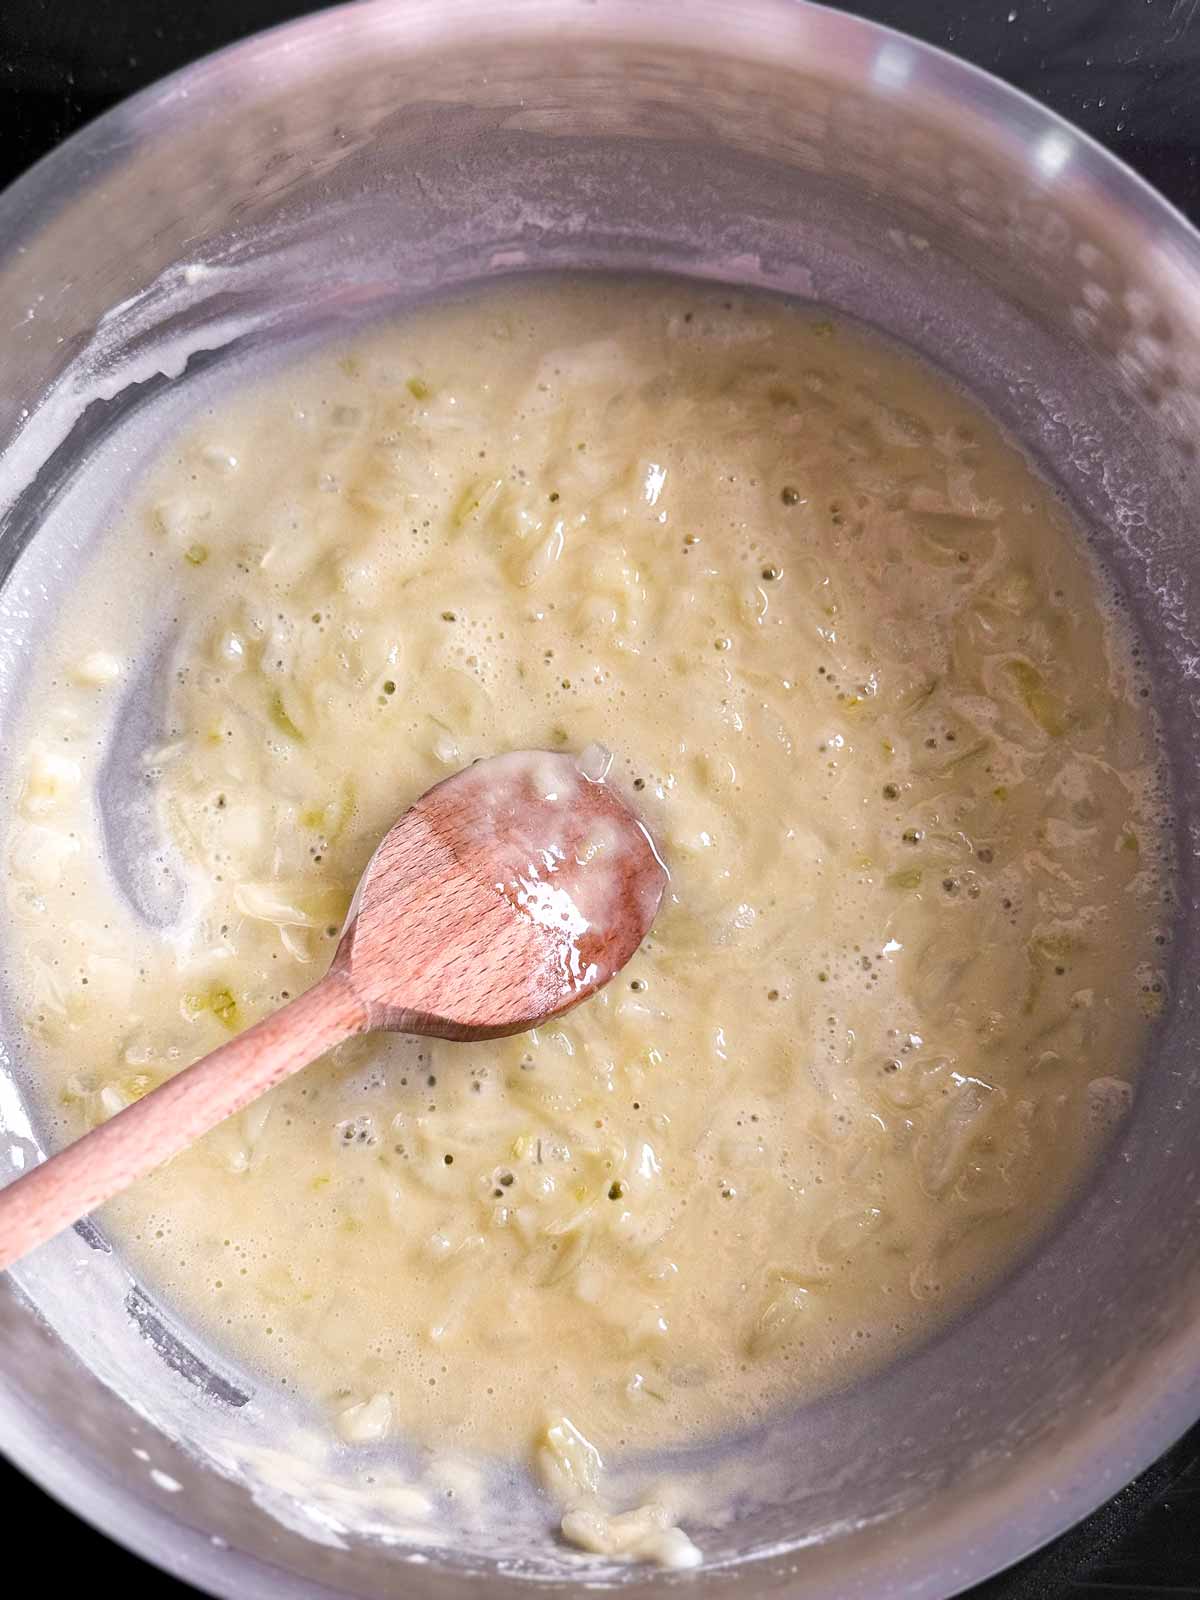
x=869, y=694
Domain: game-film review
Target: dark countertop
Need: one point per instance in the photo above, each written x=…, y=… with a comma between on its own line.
x=1128, y=73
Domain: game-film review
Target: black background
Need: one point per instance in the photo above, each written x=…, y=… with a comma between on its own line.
x=1126, y=71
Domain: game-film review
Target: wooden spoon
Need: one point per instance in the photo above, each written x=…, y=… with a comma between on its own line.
x=506, y=895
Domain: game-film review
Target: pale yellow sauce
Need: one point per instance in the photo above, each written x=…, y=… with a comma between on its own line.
x=863, y=685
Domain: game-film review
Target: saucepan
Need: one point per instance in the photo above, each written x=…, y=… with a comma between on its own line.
x=360, y=159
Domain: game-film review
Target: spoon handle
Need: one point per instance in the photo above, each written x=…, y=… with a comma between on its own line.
x=42, y=1202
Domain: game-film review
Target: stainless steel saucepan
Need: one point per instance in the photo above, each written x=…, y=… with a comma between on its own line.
x=365, y=157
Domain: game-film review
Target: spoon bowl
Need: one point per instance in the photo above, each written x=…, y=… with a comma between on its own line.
x=506, y=895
